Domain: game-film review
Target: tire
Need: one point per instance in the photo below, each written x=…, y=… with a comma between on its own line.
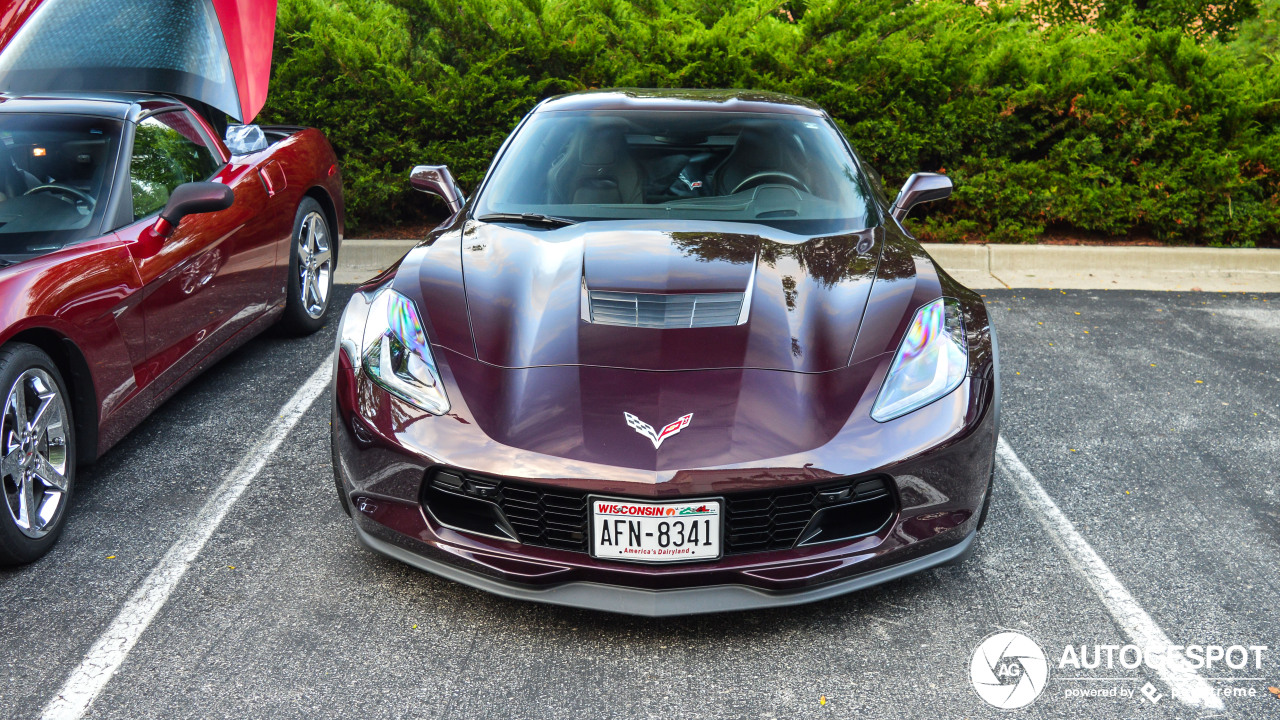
x=37, y=451
x=312, y=262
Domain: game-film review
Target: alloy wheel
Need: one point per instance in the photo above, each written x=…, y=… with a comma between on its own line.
x=315, y=264
x=33, y=453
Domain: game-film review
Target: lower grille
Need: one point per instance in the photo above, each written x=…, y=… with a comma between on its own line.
x=767, y=521
x=754, y=522
x=541, y=516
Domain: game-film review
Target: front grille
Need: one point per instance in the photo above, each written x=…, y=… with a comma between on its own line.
x=651, y=310
x=767, y=521
x=546, y=517
x=754, y=522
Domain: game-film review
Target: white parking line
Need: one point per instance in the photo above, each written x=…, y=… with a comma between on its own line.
x=113, y=646
x=1187, y=685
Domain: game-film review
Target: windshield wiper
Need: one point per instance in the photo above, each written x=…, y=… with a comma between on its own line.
x=528, y=219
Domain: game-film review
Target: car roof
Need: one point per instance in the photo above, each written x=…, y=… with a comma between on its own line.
x=117, y=105
x=676, y=99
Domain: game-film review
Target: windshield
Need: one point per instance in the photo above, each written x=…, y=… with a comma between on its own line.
x=54, y=173
x=781, y=170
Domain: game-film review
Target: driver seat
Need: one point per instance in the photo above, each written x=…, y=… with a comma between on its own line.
x=598, y=168
x=756, y=152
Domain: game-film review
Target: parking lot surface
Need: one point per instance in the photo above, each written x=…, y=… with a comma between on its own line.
x=1151, y=420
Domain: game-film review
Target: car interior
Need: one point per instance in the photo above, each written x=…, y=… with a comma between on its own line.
x=54, y=170
x=678, y=164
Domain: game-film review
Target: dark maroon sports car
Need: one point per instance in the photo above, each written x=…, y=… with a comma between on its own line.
x=137, y=245
x=675, y=355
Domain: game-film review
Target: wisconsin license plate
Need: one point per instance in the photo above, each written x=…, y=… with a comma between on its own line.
x=655, y=532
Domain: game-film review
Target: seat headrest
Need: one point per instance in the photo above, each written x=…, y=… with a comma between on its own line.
x=602, y=145
x=757, y=149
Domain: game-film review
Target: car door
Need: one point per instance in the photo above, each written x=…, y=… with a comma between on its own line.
x=209, y=277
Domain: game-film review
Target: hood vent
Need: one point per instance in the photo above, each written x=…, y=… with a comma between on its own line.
x=652, y=310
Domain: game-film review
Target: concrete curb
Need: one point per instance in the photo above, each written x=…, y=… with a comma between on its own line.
x=359, y=260
x=1107, y=267
x=1082, y=267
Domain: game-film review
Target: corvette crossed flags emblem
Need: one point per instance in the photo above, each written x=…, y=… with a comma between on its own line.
x=658, y=436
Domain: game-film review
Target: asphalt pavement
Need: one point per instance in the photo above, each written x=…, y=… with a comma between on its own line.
x=1152, y=420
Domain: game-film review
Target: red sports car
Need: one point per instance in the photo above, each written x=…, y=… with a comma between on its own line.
x=137, y=246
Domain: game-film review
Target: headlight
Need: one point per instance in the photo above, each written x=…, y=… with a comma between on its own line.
x=931, y=362
x=393, y=352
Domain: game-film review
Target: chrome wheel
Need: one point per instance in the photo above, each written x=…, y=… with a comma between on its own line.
x=315, y=264
x=33, y=440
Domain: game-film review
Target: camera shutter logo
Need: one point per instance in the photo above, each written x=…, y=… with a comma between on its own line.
x=1008, y=670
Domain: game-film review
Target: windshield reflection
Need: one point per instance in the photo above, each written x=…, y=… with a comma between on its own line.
x=828, y=260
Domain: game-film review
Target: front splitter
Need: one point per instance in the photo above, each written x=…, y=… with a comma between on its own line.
x=669, y=602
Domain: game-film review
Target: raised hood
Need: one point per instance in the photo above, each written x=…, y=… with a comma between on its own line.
x=217, y=52
x=569, y=296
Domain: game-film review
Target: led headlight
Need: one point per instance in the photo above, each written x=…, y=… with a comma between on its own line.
x=931, y=362
x=393, y=352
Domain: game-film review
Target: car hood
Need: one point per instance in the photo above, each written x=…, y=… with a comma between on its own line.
x=554, y=297
x=217, y=52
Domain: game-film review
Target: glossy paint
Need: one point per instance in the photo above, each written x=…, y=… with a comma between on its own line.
x=920, y=188
x=564, y=434
x=130, y=317
x=524, y=294
x=539, y=394
x=747, y=101
x=249, y=29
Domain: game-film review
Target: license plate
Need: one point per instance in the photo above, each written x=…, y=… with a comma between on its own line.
x=655, y=532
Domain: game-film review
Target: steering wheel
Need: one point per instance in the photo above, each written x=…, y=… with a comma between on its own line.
x=59, y=187
x=759, y=177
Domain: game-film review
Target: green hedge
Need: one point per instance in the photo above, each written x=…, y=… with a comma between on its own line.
x=1111, y=126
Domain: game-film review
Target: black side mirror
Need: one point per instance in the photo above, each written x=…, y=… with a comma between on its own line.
x=437, y=180
x=920, y=187
x=191, y=199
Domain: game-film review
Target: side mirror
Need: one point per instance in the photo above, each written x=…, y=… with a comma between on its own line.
x=192, y=198
x=920, y=187
x=437, y=180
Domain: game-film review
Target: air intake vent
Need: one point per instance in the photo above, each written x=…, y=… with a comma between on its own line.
x=650, y=310
x=755, y=521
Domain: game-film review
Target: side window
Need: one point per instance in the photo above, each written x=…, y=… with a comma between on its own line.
x=168, y=150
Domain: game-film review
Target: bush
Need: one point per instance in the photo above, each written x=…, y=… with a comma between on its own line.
x=1108, y=125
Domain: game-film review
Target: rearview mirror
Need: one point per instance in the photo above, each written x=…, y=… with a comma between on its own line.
x=437, y=180
x=192, y=198
x=920, y=187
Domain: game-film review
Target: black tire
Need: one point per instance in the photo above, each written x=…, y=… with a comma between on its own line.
x=19, y=545
x=303, y=315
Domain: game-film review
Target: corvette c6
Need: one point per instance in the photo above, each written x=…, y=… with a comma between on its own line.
x=143, y=236
x=676, y=354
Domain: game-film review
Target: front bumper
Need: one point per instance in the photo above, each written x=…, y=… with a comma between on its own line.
x=669, y=602
x=939, y=468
